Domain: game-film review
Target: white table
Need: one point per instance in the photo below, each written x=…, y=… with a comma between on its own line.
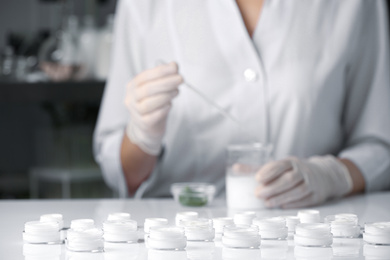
x=14, y=213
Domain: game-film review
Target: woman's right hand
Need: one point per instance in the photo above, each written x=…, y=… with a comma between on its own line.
x=148, y=100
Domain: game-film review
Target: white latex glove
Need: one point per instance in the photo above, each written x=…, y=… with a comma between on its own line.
x=293, y=183
x=148, y=99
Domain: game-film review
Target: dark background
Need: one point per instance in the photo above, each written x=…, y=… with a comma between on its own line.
x=50, y=124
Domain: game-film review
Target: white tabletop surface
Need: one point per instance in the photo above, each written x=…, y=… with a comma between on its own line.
x=14, y=213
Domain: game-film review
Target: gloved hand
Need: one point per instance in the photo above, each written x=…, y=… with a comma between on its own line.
x=148, y=99
x=293, y=183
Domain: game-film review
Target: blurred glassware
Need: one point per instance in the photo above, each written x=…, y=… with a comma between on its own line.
x=88, y=47
x=59, y=56
x=7, y=64
x=105, y=39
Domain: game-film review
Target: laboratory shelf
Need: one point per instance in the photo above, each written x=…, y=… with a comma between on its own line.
x=69, y=91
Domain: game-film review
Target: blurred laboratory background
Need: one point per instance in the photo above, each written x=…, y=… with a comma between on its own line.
x=54, y=60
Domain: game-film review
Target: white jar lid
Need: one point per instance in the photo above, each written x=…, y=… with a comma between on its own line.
x=377, y=228
x=118, y=216
x=89, y=240
x=241, y=236
x=345, y=216
x=271, y=228
x=377, y=233
x=199, y=233
x=167, y=237
x=118, y=227
x=344, y=228
x=219, y=223
x=244, y=218
x=291, y=222
x=82, y=224
x=309, y=216
x=270, y=223
x=154, y=222
x=37, y=232
x=38, y=227
x=53, y=217
x=313, y=234
x=199, y=222
x=185, y=215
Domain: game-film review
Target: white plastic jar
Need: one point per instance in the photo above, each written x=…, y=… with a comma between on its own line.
x=185, y=215
x=120, y=231
x=37, y=232
x=82, y=224
x=154, y=222
x=309, y=216
x=377, y=233
x=53, y=217
x=313, y=234
x=343, y=225
x=291, y=223
x=271, y=228
x=167, y=238
x=244, y=218
x=219, y=223
x=200, y=229
x=241, y=236
x=87, y=240
x=119, y=216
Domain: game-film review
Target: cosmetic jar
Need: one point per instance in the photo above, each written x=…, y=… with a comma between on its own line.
x=377, y=233
x=244, y=218
x=53, y=217
x=154, y=222
x=219, y=223
x=291, y=223
x=241, y=236
x=82, y=224
x=185, y=215
x=58, y=218
x=313, y=234
x=309, y=216
x=37, y=232
x=85, y=240
x=200, y=229
x=343, y=225
x=271, y=228
x=120, y=231
x=119, y=216
x=167, y=238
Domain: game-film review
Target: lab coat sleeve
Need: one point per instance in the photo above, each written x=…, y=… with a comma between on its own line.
x=367, y=105
x=113, y=115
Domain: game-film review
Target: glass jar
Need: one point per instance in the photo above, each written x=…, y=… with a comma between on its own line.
x=167, y=238
x=272, y=228
x=243, y=161
x=309, y=216
x=37, y=232
x=313, y=235
x=200, y=229
x=241, y=236
x=124, y=231
x=377, y=233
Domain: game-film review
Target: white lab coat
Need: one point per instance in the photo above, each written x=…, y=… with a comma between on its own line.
x=313, y=81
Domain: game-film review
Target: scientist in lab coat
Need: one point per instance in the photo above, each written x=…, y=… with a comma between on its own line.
x=309, y=77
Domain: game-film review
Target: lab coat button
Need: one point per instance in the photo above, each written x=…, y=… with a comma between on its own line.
x=250, y=75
